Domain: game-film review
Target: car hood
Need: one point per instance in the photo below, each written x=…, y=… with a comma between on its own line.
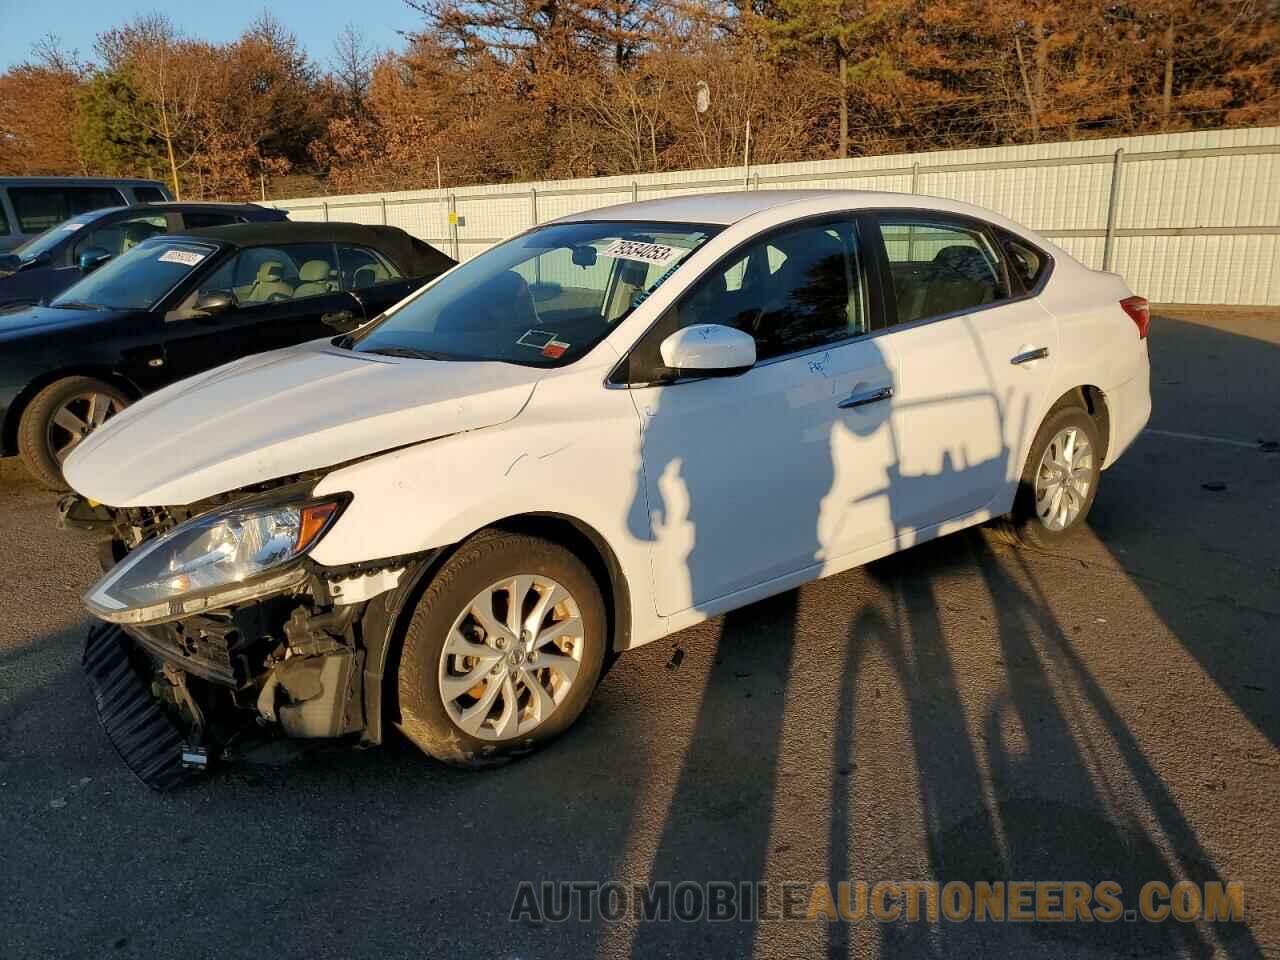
x=18, y=321
x=283, y=413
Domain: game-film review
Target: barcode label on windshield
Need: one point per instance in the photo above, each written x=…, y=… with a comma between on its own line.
x=644, y=252
x=184, y=257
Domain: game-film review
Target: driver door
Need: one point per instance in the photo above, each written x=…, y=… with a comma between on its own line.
x=759, y=476
x=282, y=295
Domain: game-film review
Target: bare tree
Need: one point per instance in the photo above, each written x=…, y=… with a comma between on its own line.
x=166, y=71
x=352, y=64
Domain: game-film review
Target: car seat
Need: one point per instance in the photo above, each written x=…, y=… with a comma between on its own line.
x=269, y=282
x=314, y=280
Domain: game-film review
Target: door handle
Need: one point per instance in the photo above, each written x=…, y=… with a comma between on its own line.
x=862, y=399
x=1028, y=355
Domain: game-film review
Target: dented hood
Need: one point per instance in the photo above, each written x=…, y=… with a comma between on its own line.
x=282, y=413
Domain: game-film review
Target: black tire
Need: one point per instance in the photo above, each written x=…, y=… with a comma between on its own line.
x=484, y=560
x=34, y=446
x=1023, y=525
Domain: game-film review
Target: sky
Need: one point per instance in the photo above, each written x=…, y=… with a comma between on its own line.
x=315, y=22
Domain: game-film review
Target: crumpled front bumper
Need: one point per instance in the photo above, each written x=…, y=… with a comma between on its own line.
x=142, y=732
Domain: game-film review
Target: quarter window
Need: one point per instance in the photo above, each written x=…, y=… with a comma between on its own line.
x=149, y=195
x=362, y=267
x=940, y=268
x=794, y=290
x=1025, y=261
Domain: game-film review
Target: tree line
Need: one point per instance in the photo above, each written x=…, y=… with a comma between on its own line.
x=501, y=90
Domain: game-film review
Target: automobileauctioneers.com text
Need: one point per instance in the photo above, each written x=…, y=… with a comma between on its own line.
x=885, y=901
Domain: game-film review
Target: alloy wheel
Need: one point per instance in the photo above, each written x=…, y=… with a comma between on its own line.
x=1064, y=478
x=511, y=657
x=77, y=418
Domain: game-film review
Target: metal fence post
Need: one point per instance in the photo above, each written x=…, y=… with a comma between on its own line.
x=635, y=191
x=1113, y=209
x=325, y=204
x=533, y=204
x=756, y=178
x=384, y=210
x=453, y=224
x=915, y=177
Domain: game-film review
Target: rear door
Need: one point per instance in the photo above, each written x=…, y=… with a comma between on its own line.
x=282, y=295
x=975, y=351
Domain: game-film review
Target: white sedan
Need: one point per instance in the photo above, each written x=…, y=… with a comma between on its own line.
x=594, y=434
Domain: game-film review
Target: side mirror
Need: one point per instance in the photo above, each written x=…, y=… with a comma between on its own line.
x=10, y=263
x=709, y=350
x=215, y=302
x=92, y=258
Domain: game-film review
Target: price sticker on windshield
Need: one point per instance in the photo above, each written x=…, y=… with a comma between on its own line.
x=184, y=257
x=644, y=252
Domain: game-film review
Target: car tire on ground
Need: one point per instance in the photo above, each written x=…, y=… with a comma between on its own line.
x=480, y=683
x=58, y=418
x=1058, y=484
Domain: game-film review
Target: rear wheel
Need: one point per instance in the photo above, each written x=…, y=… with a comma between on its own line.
x=1059, y=482
x=58, y=419
x=503, y=650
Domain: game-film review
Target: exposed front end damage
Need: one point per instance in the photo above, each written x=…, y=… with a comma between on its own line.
x=178, y=693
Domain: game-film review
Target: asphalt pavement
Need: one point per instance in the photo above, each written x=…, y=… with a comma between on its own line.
x=963, y=711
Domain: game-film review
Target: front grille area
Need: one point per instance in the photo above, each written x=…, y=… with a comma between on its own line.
x=205, y=647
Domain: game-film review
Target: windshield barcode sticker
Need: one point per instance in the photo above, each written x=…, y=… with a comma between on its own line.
x=644, y=252
x=184, y=257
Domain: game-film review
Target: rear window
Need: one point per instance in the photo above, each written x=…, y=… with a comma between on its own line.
x=39, y=208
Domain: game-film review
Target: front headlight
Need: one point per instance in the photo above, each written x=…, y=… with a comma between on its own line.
x=224, y=557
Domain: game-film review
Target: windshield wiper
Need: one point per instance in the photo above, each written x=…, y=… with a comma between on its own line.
x=77, y=305
x=409, y=352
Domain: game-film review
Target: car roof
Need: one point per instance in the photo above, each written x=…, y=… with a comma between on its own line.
x=78, y=181
x=415, y=257
x=729, y=207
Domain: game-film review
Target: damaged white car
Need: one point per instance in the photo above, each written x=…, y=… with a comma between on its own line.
x=588, y=437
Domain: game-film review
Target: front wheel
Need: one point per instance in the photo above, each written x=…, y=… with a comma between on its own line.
x=58, y=419
x=503, y=651
x=1059, y=482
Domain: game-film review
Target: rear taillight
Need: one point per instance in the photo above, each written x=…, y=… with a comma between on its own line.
x=1139, y=312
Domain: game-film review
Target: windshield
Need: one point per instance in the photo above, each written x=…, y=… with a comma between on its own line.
x=53, y=236
x=138, y=279
x=543, y=299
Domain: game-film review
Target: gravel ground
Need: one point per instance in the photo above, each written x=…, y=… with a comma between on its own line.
x=963, y=711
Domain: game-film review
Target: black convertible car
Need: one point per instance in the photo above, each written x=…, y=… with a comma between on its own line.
x=179, y=304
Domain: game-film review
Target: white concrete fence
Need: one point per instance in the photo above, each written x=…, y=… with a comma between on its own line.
x=1185, y=217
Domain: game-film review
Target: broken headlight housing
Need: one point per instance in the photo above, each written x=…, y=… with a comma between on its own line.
x=228, y=556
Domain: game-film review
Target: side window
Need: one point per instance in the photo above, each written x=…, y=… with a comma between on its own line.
x=940, y=267
x=317, y=269
x=116, y=238
x=149, y=195
x=4, y=222
x=88, y=199
x=1026, y=262
x=796, y=289
x=38, y=208
x=195, y=220
x=362, y=267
